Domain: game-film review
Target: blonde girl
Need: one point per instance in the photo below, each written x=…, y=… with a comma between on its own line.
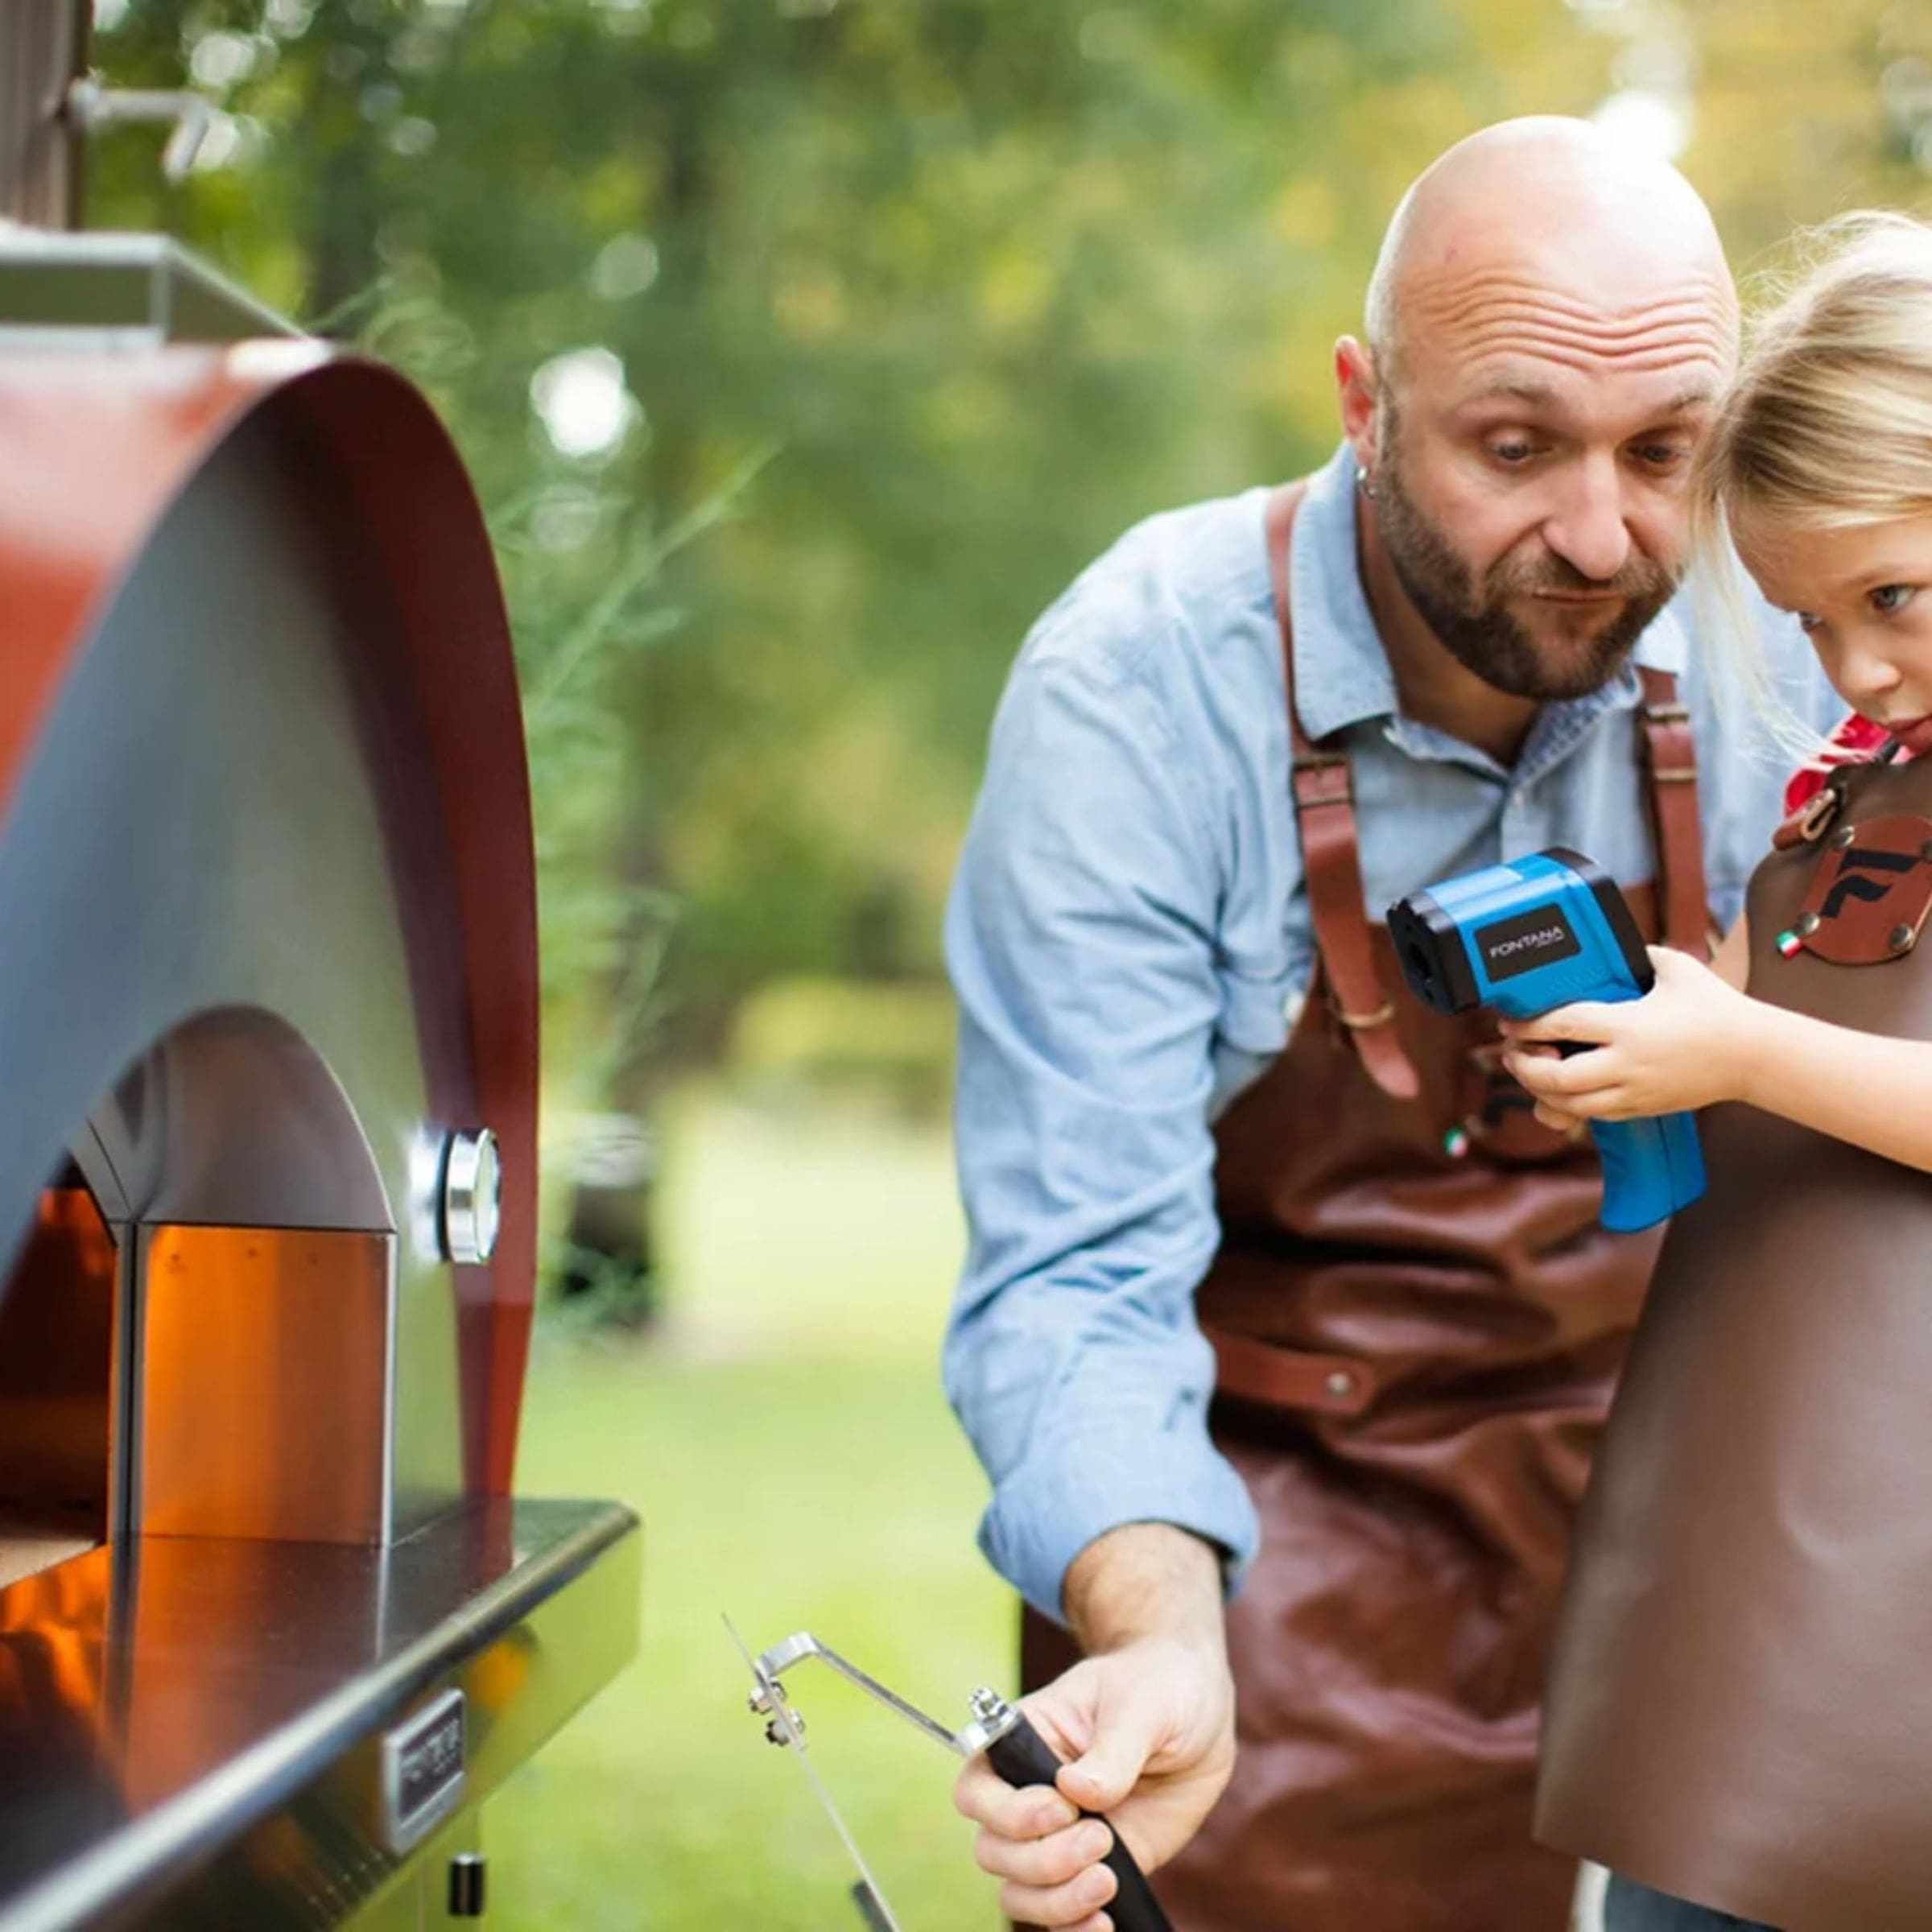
x=1739, y=1715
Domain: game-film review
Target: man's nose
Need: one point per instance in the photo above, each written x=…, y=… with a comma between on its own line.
x=1586, y=528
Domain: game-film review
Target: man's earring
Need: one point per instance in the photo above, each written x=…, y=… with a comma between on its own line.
x=1365, y=483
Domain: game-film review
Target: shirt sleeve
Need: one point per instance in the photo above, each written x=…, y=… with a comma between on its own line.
x=1080, y=937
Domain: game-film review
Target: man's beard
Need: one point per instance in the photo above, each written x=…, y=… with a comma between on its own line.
x=1478, y=629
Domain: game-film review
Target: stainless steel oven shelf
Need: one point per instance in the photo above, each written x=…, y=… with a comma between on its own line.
x=191, y=1729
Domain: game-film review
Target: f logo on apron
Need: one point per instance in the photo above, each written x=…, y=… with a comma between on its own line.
x=1870, y=895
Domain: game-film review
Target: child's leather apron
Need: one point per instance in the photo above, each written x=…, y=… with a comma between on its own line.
x=1416, y=1350
x=1741, y=1700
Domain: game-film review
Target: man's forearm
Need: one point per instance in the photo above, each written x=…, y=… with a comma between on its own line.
x=1144, y=1580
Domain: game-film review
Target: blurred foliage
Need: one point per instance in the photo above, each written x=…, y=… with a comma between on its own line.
x=804, y=1039
x=994, y=278
x=795, y=1467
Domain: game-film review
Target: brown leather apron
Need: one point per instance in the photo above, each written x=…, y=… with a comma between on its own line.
x=1416, y=1348
x=1740, y=1710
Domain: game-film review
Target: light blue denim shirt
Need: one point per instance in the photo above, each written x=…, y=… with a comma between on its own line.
x=1128, y=937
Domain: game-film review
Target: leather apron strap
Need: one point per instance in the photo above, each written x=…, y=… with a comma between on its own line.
x=1324, y=811
x=1670, y=764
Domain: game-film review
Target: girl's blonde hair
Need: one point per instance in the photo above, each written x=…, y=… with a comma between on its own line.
x=1829, y=424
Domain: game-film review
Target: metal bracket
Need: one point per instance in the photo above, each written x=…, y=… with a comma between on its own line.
x=992, y=1716
x=188, y=115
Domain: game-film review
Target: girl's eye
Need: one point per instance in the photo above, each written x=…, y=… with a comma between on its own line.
x=1661, y=456
x=1889, y=599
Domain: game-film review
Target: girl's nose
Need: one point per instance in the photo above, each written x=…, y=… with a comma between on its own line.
x=1868, y=672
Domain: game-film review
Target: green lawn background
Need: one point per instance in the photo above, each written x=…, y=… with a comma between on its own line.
x=787, y=1444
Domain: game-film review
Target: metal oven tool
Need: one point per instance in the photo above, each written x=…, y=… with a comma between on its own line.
x=1015, y=1749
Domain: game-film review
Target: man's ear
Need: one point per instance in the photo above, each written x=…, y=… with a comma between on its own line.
x=1359, y=395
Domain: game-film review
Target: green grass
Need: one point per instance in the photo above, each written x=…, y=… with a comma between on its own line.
x=790, y=1451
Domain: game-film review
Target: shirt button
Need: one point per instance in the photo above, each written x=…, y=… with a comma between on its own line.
x=1341, y=1382
x=1291, y=1007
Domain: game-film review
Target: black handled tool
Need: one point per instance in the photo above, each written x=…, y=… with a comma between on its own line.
x=1023, y=1757
x=1015, y=1749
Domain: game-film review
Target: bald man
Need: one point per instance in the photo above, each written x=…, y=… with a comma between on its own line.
x=1286, y=1331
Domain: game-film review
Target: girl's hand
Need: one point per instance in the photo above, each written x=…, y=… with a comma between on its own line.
x=1687, y=1043
x=1574, y=1124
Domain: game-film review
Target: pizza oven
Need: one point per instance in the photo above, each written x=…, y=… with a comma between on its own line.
x=272, y=1626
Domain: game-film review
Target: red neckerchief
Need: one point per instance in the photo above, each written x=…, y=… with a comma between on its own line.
x=1854, y=740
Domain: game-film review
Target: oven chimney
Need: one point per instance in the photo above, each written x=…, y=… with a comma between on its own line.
x=43, y=52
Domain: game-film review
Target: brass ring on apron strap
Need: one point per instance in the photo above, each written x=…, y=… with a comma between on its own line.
x=1819, y=813
x=1356, y=1022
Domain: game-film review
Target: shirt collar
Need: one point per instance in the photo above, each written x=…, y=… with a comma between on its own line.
x=1341, y=672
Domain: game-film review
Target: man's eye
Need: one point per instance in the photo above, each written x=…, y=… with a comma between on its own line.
x=1513, y=452
x=1889, y=599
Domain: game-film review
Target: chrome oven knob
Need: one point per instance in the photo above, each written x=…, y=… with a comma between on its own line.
x=473, y=1196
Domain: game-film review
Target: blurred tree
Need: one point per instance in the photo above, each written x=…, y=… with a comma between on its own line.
x=995, y=279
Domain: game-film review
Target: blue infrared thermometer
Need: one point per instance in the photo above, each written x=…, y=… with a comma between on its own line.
x=1534, y=935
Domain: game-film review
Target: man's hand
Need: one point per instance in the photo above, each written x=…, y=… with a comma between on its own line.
x=1689, y=1041
x=1146, y=1721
